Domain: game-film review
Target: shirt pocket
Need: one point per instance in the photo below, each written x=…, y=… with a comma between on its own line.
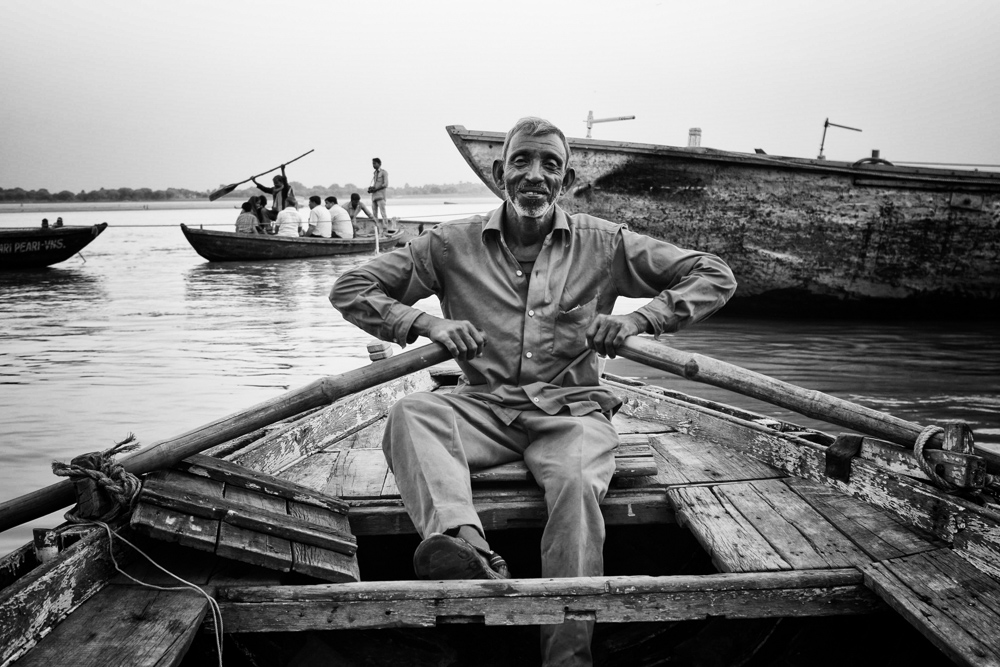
x=570, y=335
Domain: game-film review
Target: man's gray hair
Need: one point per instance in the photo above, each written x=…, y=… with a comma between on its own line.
x=533, y=127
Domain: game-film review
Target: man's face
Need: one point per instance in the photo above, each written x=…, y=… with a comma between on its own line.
x=312, y=205
x=329, y=204
x=534, y=173
x=376, y=164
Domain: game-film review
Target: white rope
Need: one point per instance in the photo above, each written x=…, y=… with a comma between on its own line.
x=187, y=585
x=925, y=465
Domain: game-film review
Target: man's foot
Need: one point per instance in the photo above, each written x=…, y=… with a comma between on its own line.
x=444, y=557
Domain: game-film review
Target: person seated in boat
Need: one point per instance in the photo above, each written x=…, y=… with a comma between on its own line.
x=356, y=206
x=280, y=193
x=258, y=205
x=320, y=223
x=45, y=223
x=526, y=294
x=59, y=222
x=246, y=221
x=340, y=219
x=289, y=221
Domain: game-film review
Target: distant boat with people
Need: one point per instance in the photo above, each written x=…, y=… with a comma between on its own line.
x=219, y=246
x=803, y=236
x=39, y=247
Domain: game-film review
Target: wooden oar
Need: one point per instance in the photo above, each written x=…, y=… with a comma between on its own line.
x=808, y=402
x=168, y=452
x=223, y=191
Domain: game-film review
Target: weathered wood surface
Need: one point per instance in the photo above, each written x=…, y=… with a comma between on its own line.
x=126, y=626
x=808, y=402
x=322, y=563
x=167, y=452
x=953, y=604
x=972, y=530
x=534, y=601
x=35, y=603
x=868, y=227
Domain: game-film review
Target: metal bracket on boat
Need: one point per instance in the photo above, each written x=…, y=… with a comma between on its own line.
x=839, y=455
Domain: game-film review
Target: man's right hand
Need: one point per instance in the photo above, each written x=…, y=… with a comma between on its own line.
x=460, y=337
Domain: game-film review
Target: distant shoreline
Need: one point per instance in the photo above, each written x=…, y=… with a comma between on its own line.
x=54, y=208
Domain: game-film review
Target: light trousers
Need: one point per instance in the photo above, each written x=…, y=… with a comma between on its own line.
x=433, y=441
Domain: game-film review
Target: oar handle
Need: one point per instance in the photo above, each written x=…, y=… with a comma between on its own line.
x=278, y=167
x=168, y=452
x=809, y=402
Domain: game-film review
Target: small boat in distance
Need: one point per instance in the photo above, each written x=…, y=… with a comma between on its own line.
x=218, y=246
x=803, y=236
x=37, y=247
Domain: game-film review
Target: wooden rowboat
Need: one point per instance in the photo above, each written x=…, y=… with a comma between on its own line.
x=35, y=248
x=804, y=237
x=730, y=535
x=218, y=246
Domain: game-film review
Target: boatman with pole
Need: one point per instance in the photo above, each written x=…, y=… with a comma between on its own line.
x=527, y=294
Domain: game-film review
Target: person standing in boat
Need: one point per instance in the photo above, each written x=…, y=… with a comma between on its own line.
x=527, y=294
x=280, y=193
x=320, y=224
x=340, y=219
x=380, y=183
x=356, y=206
x=289, y=221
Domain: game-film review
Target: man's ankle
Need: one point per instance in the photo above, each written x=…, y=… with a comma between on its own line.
x=471, y=535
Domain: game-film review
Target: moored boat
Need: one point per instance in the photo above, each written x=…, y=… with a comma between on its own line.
x=803, y=236
x=36, y=247
x=219, y=246
x=726, y=531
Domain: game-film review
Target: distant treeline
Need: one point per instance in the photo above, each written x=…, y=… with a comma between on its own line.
x=172, y=194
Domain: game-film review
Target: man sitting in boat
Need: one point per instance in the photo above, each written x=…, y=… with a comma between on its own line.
x=343, y=227
x=319, y=219
x=527, y=294
x=280, y=193
x=246, y=222
x=289, y=219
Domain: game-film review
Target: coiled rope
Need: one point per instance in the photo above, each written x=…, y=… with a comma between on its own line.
x=925, y=465
x=122, y=486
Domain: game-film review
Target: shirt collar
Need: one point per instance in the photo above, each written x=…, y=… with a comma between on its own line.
x=495, y=223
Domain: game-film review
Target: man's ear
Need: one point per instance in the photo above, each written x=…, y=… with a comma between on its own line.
x=569, y=178
x=498, y=174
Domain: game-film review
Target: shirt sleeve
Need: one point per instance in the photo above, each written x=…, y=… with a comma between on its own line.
x=686, y=285
x=378, y=296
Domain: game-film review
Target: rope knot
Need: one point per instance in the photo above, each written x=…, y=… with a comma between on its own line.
x=119, y=484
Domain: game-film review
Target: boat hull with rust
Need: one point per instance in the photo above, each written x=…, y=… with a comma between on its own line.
x=804, y=237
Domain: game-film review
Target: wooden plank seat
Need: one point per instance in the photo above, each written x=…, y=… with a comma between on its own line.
x=222, y=508
x=534, y=601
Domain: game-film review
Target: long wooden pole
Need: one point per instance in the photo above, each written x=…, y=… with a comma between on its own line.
x=168, y=452
x=808, y=402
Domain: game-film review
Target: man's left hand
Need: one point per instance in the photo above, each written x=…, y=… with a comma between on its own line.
x=607, y=332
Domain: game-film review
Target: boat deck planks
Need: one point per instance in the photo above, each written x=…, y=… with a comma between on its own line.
x=124, y=625
x=953, y=604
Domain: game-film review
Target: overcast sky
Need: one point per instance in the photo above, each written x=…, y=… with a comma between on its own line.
x=195, y=94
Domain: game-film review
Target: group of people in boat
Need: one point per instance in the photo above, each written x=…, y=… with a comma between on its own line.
x=326, y=217
x=45, y=223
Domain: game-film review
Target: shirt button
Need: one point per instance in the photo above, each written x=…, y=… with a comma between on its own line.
x=528, y=355
x=535, y=399
x=520, y=273
x=531, y=313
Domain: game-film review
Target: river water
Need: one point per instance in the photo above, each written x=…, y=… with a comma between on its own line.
x=146, y=337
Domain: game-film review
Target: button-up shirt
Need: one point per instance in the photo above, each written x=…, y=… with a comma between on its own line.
x=535, y=321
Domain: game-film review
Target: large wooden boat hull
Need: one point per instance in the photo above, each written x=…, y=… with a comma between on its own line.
x=737, y=541
x=802, y=236
x=35, y=248
x=217, y=246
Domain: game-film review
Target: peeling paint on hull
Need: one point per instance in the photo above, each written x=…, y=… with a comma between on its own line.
x=830, y=235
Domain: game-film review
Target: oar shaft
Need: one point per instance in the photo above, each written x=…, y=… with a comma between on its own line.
x=278, y=167
x=808, y=402
x=168, y=452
